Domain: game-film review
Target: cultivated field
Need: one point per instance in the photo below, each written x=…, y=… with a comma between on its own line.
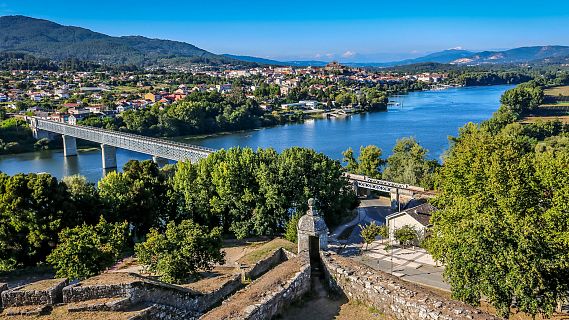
x=557, y=91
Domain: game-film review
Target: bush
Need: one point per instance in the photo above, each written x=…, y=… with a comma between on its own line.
x=292, y=228
x=406, y=235
x=370, y=232
x=85, y=251
x=181, y=251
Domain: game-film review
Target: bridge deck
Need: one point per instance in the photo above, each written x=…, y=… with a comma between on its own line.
x=152, y=146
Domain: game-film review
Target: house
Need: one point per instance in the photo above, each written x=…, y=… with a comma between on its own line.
x=418, y=217
x=223, y=88
x=152, y=97
x=301, y=105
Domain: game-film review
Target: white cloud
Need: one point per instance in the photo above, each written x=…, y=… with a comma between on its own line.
x=349, y=54
x=456, y=48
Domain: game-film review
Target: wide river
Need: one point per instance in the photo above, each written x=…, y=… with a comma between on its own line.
x=429, y=116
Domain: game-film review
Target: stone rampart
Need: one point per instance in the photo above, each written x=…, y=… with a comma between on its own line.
x=28, y=295
x=274, y=302
x=390, y=295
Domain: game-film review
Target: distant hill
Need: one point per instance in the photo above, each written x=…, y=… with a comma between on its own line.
x=296, y=63
x=50, y=40
x=256, y=60
x=517, y=55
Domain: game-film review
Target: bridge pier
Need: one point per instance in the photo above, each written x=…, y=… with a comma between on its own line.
x=160, y=161
x=109, y=156
x=69, y=146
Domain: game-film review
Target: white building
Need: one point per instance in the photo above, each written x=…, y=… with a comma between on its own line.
x=418, y=217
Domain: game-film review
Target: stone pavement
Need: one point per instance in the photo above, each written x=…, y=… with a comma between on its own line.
x=410, y=264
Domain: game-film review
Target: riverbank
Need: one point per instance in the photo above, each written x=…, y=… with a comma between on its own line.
x=429, y=116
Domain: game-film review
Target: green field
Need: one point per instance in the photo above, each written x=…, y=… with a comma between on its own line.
x=557, y=91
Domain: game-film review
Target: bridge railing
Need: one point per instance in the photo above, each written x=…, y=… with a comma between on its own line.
x=154, y=146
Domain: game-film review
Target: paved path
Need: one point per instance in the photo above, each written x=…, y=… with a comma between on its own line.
x=413, y=265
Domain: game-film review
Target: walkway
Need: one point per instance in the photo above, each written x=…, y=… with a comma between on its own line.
x=413, y=265
x=410, y=264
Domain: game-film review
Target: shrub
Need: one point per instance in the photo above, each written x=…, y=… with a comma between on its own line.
x=291, y=228
x=370, y=232
x=86, y=250
x=181, y=251
x=406, y=235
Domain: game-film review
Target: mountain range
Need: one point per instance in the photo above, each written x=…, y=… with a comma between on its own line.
x=46, y=39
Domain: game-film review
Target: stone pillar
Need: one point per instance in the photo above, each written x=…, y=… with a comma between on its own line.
x=160, y=161
x=109, y=155
x=69, y=146
x=311, y=225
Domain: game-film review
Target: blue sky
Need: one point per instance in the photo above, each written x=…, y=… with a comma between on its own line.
x=343, y=30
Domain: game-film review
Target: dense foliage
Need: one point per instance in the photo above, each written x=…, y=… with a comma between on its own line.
x=15, y=136
x=86, y=250
x=502, y=230
x=182, y=250
x=409, y=164
x=139, y=195
x=368, y=163
x=255, y=193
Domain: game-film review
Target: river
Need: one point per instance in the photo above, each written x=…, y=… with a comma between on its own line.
x=429, y=116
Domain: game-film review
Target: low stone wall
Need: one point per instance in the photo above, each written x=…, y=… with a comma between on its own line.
x=274, y=302
x=213, y=298
x=266, y=264
x=19, y=296
x=144, y=290
x=3, y=287
x=390, y=295
x=77, y=292
x=161, y=312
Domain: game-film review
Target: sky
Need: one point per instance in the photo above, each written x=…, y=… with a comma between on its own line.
x=346, y=31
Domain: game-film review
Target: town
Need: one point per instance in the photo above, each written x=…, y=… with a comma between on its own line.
x=73, y=96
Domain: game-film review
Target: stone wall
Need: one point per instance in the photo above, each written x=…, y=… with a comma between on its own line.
x=19, y=296
x=77, y=292
x=274, y=303
x=3, y=287
x=390, y=295
x=213, y=298
x=265, y=265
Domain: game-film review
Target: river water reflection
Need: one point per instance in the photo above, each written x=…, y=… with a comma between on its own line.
x=429, y=116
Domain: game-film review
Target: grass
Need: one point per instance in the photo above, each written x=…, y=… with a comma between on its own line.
x=265, y=249
x=42, y=285
x=556, y=91
x=534, y=119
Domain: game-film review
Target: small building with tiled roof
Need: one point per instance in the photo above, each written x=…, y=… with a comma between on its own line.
x=418, y=217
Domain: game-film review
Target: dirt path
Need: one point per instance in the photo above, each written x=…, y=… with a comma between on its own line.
x=320, y=305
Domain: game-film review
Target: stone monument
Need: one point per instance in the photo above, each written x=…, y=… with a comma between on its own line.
x=312, y=231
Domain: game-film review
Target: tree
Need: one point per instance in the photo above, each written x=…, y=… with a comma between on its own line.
x=85, y=199
x=180, y=252
x=502, y=227
x=523, y=98
x=253, y=193
x=291, y=231
x=406, y=235
x=369, y=232
x=140, y=188
x=369, y=161
x=85, y=251
x=33, y=209
x=408, y=164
